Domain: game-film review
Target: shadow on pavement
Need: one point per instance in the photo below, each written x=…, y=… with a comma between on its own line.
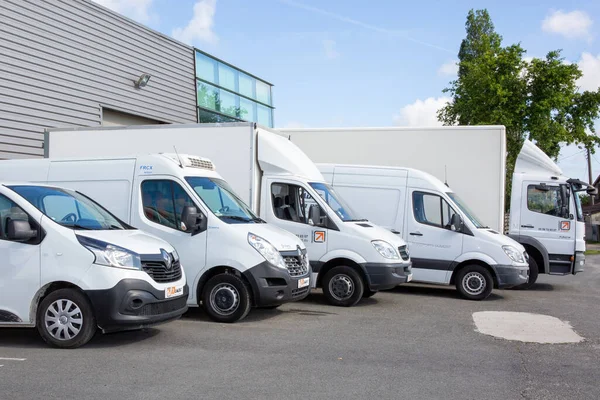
x=255, y=315
x=320, y=299
x=436, y=291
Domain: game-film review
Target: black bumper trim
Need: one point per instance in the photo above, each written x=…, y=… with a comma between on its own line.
x=382, y=276
x=509, y=276
x=273, y=286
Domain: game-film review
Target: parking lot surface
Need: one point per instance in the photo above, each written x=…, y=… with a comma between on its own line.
x=414, y=342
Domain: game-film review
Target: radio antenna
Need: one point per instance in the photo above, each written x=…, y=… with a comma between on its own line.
x=446, y=175
x=178, y=158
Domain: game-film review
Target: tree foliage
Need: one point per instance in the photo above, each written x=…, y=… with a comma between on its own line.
x=537, y=99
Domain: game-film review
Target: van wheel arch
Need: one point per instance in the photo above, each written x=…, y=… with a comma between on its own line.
x=221, y=270
x=336, y=262
x=45, y=291
x=537, y=256
x=473, y=262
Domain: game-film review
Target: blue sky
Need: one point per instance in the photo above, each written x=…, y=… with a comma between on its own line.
x=377, y=63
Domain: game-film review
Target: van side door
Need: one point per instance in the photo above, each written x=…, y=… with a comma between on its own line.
x=19, y=265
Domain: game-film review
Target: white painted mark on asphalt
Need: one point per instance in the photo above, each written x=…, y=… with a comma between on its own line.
x=12, y=359
x=525, y=327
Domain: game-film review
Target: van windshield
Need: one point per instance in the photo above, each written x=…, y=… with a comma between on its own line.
x=222, y=200
x=466, y=211
x=69, y=208
x=336, y=203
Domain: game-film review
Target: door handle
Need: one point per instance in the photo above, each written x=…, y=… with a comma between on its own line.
x=527, y=226
x=416, y=234
x=395, y=232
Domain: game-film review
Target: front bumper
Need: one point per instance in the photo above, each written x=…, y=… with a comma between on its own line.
x=135, y=304
x=510, y=276
x=387, y=276
x=273, y=285
x=579, y=262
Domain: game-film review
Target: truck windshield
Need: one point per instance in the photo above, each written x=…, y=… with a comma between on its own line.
x=222, y=201
x=336, y=203
x=69, y=208
x=468, y=213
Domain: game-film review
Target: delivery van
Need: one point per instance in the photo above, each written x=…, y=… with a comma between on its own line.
x=448, y=243
x=69, y=267
x=233, y=259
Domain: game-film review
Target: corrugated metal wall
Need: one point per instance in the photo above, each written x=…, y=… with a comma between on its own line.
x=61, y=61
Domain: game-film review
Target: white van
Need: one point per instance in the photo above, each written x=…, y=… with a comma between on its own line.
x=447, y=242
x=68, y=266
x=233, y=259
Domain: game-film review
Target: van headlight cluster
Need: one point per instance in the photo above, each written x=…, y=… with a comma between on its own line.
x=514, y=254
x=386, y=250
x=267, y=250
x=110, y=255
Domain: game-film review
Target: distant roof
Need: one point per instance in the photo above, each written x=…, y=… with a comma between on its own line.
x=597, y=181
x=591, y=209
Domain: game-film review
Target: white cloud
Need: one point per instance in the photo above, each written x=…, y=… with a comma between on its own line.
x=572, y=25
x=329, y=46
x=200, y=27
x=590, y=67
x=421, y=112
x=138, y=10
x=449, y=69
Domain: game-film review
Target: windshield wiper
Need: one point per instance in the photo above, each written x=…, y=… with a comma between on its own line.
x=484, y=227
x=259, y=220
x=357, y=220
x=115, y=228
x=237, y=218
x=77, y=226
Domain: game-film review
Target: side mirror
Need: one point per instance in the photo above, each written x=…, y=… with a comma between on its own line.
x=192, y=221
x=456, y=223
x=592, y=191
x=314, y=216
x=19, y=231
x=564, y=212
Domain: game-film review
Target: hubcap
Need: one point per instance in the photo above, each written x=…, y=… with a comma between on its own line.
x=63, y=319
x=341, y=287
x=224, y=299
x=474, y=283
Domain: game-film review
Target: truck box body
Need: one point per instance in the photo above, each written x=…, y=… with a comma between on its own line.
x=471, y=159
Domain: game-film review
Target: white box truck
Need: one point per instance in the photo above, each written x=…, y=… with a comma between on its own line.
x=233, y=259
x=545, y=213
x=350, y=257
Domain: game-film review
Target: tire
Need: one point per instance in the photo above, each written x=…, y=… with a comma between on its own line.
x=534, y=271
x=226, y=298
x=474, y=282
x=65, y=319
x=368, y=293
x=343, y=286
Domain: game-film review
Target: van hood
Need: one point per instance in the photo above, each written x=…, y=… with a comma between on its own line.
x=374, y=232
x=281, y=239
x=134, y=240
x=503, y=240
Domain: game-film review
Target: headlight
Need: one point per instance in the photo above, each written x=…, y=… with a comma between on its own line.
x=111, y=255
x=385, y=249
x=514, y=254
x=267, y=250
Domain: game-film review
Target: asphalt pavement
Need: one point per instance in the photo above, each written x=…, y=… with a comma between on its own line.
x=414, y=342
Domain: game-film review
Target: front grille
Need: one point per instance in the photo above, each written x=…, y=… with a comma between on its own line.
x=300, y=292
x=159, y=272
x=163, y=307
x=296, y=265
x=404, y=252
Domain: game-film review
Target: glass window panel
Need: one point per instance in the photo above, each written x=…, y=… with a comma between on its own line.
x=263, y=115
x=227, y=77
x=247, y=110
x=207, y=117
x=227, y=102
x=206, y=68
x=263, y=92
x=208, y=96
x=247, y=85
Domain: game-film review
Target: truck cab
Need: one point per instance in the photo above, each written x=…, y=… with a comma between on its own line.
x=546, y=215
x=448, y=243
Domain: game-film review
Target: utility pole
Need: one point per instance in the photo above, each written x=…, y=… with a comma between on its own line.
x=589, y=161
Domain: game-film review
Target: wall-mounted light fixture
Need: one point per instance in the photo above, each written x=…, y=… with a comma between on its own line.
x=142, y=80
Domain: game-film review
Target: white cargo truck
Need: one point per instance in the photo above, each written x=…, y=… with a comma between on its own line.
x=545, y=213
x=350, y=257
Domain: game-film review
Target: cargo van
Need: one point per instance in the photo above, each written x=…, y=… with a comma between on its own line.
x=448, y=243
x=68, y=267
x=350, y=257
x=233, y=259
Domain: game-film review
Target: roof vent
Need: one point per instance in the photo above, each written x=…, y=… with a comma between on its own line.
x=192, y=161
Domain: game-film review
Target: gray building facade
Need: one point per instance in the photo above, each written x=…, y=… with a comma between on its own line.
x=71, y=63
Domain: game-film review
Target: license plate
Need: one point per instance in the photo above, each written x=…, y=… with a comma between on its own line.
x=173, y=291
x=409, y=278
x=303, y=282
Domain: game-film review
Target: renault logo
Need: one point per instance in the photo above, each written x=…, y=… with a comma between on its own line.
x=167, y=259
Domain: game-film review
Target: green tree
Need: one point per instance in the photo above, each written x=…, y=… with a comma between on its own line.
x=538, y=100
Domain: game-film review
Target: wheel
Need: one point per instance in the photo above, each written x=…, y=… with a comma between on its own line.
x=65, y=319
x=343, y=286
x=368, y=293
x=226, y=298
x=533, y=275
x=474, y=282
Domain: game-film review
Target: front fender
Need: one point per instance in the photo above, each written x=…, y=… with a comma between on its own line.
x=475, y=255
x=343, y=253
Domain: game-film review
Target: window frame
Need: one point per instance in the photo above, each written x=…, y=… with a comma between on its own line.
x=442, y=200
x=297, y=198
x=172, y=199
x=556, y=189
x=41, y=234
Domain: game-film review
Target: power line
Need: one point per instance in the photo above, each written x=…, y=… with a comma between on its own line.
x=571, y=155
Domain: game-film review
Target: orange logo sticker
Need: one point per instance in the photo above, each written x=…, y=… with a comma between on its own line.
x=565, y=225
x=319, y=237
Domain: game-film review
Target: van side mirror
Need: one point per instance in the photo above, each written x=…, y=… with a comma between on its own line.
x=456, y=223
x=314, y=216
x=19, y=231
x=192, y=221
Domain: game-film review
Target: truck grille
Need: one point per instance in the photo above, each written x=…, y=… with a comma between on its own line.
x=159, y=272
x=403, y=250
x=296, y=265
x=163, y=307
x=299, y=292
